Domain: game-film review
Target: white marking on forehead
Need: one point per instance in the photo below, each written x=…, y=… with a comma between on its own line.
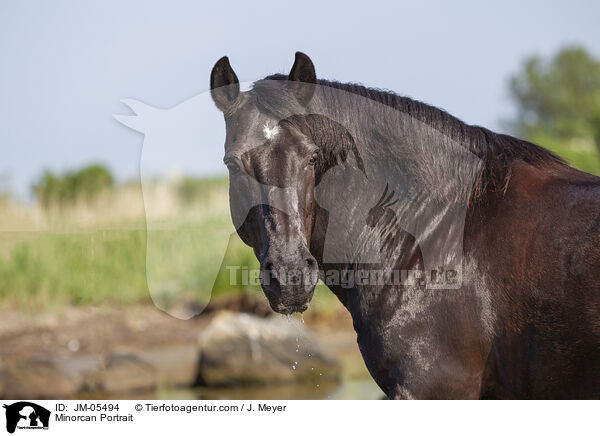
x=270, y=132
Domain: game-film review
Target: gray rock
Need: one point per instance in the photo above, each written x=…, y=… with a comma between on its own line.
x=123, y=373
x=77, y=367
x=175, y=366
x=240, y=348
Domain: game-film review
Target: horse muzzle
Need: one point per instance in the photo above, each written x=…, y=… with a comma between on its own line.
x=289, y=286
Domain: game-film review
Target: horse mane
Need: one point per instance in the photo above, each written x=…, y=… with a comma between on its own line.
x=499, y=152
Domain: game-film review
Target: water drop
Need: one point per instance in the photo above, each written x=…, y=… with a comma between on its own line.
x=293, y=366
x=320, y=373
x=288, y=317
x=73, y=345
x=312, y=369
x=317, y=385
x=302, y=318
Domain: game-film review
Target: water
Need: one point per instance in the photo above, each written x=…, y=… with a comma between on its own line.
x=360, y=389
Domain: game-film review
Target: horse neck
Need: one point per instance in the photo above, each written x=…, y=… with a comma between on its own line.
x=431, y=175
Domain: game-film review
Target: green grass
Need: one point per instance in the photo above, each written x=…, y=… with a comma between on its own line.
x=78, y=268
x=110, y=267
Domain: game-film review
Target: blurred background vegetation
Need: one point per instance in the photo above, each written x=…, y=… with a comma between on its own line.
x=84, y=238
x=558, y=105
x=73, y=186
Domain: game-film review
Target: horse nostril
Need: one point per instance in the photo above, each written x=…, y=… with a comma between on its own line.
x=310, y=262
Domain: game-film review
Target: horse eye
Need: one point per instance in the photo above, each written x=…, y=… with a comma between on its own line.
x=313, y=158
x=233, y=167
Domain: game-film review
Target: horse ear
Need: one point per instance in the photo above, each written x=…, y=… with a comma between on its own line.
x=224, y=84
x=303, y=71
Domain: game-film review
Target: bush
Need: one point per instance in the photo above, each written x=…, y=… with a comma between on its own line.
x=72, y=186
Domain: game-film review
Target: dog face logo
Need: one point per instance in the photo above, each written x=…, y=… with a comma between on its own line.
x=26, y=415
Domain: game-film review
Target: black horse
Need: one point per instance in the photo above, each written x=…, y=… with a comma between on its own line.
x=322, y=173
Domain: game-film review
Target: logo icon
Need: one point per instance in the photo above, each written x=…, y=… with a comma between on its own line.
x=26, y=415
